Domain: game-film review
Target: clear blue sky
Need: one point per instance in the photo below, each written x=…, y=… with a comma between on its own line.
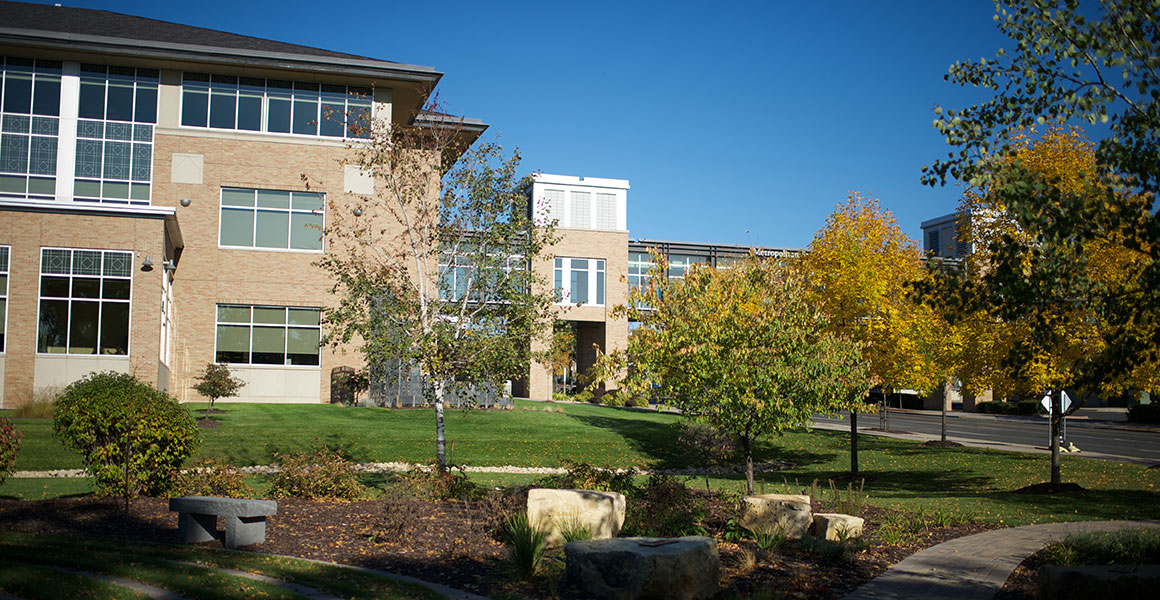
x=726, y=117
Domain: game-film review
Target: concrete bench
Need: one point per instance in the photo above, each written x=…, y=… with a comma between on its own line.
x=245, y=519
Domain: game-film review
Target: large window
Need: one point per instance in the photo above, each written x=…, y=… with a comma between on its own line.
x=680, y=264
x=84, y=301
x=117, y=111
x=268, y=335
x=271, y=219
x=269, y=105
x=638, y=265
x=579, y=281
x=4, y=253
x=29, y=125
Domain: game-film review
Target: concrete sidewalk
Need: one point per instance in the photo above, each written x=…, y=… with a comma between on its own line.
x=974, y=567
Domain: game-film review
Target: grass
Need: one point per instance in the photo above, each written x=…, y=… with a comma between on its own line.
x=1122, y=547
x=185, y=570
x=964, y=482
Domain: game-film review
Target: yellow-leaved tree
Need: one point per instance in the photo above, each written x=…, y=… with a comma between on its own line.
x=1034, y=308
x=859, y=270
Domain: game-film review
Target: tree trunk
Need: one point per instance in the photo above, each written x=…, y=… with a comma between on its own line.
x=853, y=443
x=1056, y=413
x=747, y=444
x=440, y=436
x=946, y=390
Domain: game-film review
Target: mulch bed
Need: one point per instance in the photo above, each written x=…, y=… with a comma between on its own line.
x=451, y=542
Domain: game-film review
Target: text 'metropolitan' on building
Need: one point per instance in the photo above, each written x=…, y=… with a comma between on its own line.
x=154, y=215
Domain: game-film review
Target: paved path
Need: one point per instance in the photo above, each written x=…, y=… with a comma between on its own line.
x=974, y=567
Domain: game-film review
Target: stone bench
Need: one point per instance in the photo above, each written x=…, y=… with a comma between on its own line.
x=684, y=568
x=245, y=519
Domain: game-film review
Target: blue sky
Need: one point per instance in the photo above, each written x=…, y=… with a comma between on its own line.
x=735, y=122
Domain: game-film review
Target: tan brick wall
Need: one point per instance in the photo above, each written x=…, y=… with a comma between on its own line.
x=208, y=275
x=612, y=246
x=27, y=233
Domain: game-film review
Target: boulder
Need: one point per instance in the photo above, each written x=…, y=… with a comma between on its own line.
x=554, y=511
x=836, y=527
x=684, y=568
x=777, y=513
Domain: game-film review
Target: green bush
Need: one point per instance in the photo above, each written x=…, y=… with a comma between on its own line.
x=664, y=507
x=1123, y=547
x=211, y=478
x=1144, y=413
x=9, y=447
x=585, y=396
x=1029, y=407
x=612, y=399
x=583, y=476
x=452, y=484
x=323, y=475
x=132, y=437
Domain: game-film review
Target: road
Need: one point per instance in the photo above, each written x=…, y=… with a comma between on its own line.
x=1096, y=439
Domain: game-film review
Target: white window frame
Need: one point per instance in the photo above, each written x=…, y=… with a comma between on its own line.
x=5, y=270
x=99, y=301
x=285, y=327
x=562, y=280
x=290, y=211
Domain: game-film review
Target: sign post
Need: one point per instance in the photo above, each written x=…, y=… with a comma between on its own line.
x=1066, y=401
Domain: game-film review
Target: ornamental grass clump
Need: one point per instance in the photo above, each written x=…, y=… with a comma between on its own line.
x=133, y=438
x=1123, y=547
x=323, y=475
x=525, y=543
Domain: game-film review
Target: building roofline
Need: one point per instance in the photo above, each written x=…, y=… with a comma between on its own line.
x=346, y=65
x=605, y=182
x=707, y=245
x=949, y=218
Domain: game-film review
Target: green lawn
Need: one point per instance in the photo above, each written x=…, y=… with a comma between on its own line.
x=31, y=562
x=967, y=481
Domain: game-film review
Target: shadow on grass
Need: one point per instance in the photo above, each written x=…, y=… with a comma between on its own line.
x=1086, y=505
x=90, y=516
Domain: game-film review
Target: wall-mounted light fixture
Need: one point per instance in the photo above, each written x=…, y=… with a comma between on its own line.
x=147, y=265
x=185, y=201
x=358, y=212
x=169, y=265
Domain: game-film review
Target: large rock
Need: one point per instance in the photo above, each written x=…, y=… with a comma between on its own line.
x=777, y=513
x=553, y=511
x=683, y=568
x=836, y=527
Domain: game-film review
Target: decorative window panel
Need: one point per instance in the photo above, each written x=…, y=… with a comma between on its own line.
x=29, y=124
x=274, y=106
x=555, y=203
x=579, y=280
x=268, y=335
x=271, y=219
x=581, y=216
x=114, y=146
x=605, y=211
x=84, y=301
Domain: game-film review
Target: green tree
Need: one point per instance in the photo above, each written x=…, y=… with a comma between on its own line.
x=859, y=269
x=433, y=269
x=215, y=382
x=742, y=349
x=1069, y=65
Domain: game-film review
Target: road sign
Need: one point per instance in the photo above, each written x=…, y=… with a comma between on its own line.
x=1046, y=402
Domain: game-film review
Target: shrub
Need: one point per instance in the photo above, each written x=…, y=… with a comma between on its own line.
x=452, y=484
x=559, y=396
x=132, y=437
x=828, y=550
x=997, y=407
x=1144, y=413
x=525, y=545
x=1029, y=407
x=323, y=475
x=211, y=478
x=583, y=476
x=9, y=447
x=664, y=507
x=1123, y=547
x=585, y=396
x=216, y=381
x=612, y=399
